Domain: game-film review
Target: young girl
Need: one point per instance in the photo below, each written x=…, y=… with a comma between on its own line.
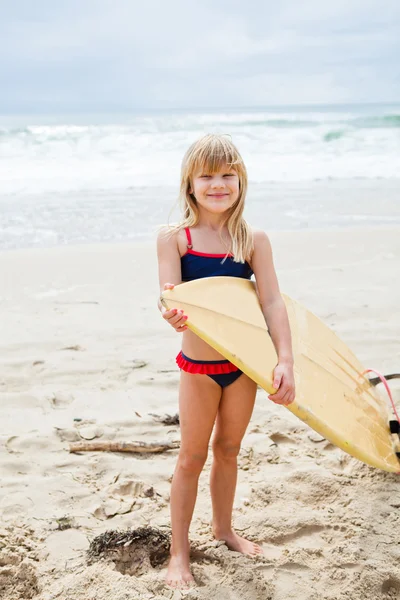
x=213, y=239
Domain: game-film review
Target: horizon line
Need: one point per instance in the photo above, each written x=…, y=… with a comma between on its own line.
x=143, y=109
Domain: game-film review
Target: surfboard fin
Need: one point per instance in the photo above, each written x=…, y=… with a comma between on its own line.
x=395, y=435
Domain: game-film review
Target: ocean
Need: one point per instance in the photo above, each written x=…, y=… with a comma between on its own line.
x=110, y=178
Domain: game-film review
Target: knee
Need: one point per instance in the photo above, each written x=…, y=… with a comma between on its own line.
x=225, y=449
x=192, y=463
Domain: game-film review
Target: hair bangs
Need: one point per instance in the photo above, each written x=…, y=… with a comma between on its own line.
x=212, y=154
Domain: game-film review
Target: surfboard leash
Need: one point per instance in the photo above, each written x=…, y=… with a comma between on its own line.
x=394, y=424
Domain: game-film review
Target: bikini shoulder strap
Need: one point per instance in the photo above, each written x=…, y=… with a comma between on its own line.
x=189, y=238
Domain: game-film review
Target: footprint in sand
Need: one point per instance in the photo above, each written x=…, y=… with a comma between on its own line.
x=60, y=400
x=305, y=537
x=287, y=586
x=30, y=442
x=313, y=488
x=14, y=505
x=281, y=438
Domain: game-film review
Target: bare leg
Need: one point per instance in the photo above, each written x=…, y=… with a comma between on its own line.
x=199, y=398
x=233, y=417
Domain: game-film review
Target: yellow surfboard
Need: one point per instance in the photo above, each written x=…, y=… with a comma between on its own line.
x=332, y=395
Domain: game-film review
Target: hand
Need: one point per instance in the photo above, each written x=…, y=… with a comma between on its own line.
x=284, y=383
x=174, y=317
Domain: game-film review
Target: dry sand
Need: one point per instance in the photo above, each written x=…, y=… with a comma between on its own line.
x=86, y=355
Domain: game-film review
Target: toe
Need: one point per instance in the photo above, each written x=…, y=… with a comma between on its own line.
x=256, y=549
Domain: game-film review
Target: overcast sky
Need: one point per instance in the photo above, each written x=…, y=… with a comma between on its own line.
x=111, y=55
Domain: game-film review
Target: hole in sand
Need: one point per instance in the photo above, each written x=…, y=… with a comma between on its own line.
x=133, y=552
x=390, y=585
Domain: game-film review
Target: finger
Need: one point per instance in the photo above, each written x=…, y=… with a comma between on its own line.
x=291, y=399
x=287, y=388
x=279, y=397
x=178, y=323
x=274, y=399
x=292, y=394
x=277, y=381
x=169, y=286
x=280, y=402
x=286, y=398
x=178, y=320
x=168, y=314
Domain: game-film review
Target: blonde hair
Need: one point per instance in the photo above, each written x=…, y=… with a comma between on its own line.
x=209, y=154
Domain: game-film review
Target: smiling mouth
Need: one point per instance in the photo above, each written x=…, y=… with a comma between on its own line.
x=217, y=195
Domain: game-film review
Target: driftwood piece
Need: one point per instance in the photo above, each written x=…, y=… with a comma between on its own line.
x=138, y=447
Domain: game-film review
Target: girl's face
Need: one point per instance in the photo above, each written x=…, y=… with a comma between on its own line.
x=216, y=192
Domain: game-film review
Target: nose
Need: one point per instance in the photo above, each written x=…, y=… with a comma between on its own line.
x=217, y=182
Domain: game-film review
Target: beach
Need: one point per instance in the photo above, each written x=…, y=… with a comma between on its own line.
x=103, y=115
x=85, y=356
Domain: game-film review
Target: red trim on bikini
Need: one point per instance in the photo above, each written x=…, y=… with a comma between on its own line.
x=204, y=368
x=195, y=253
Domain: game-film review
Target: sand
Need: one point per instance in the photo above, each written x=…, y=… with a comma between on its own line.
x=85, y=355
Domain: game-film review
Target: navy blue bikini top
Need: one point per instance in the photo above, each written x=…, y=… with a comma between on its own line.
x=195, y=265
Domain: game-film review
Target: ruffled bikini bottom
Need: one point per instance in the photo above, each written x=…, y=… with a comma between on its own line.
x=222, y=372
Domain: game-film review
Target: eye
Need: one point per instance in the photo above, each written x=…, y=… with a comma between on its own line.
x=204, y=176
x=229, y=175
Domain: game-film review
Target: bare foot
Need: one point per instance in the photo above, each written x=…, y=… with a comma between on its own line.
x=178, y=574
x=239, y=544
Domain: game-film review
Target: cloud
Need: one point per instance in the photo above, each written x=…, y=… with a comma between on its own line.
x=126, y=54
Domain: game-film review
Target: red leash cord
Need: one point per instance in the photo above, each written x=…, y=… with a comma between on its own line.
x=385, y=383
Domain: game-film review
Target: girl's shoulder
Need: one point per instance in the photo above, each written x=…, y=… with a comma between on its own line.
x=260, y=239
x=172, y=237
x=259, y=234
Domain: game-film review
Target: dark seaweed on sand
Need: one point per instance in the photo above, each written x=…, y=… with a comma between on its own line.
x=154, y=541
x=167, y=419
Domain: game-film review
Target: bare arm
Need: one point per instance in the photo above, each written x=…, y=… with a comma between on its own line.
x=275, y=313
x=169, y=275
